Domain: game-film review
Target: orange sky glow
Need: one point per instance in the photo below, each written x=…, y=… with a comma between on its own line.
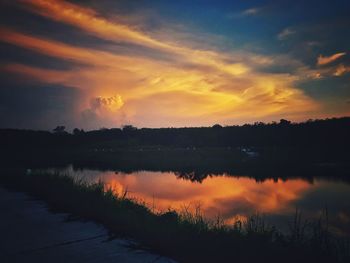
x=176, y=83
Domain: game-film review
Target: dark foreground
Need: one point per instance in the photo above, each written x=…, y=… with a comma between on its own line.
x=30, y=233
x=184, y=237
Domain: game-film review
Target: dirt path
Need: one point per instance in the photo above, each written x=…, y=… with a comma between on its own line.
x=30, y=233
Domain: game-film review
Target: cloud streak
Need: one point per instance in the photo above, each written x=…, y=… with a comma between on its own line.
x=250, y=11
x=89, y=21
x=285, y=33
x=323, y=60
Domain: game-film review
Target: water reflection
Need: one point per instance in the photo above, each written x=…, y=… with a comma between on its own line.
x=231, y=197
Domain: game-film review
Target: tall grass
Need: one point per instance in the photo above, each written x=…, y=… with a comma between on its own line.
x=186, y=236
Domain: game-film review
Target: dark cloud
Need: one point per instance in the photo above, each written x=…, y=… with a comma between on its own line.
x=13, y=54
x=89, y=117
x=36, y=107
x=328, y=88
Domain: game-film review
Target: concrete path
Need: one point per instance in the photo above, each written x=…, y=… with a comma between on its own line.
x=30, y=233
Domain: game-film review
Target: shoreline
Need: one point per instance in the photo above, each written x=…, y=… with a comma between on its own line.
x=171, y=233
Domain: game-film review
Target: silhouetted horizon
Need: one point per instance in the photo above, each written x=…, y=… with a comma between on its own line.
x=217, y=125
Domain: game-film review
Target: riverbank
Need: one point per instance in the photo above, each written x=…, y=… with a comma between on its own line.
x=185, y=237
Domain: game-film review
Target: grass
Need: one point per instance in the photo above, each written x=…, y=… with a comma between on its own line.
x=184, y=236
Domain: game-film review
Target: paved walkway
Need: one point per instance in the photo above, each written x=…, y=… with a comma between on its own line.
x=30, y=233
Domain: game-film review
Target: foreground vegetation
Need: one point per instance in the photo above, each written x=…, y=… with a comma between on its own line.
x=186, y=237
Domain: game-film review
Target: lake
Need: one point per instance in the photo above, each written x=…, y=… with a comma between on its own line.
x=231, y=197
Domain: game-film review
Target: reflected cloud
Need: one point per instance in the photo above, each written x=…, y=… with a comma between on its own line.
x=227, y=196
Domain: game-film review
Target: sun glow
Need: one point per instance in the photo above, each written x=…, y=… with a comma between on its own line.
x=191, y=87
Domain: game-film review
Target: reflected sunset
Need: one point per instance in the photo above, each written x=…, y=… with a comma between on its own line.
x=229, y=197
x=226, y=196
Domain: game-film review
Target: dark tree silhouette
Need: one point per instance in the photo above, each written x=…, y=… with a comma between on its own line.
x=216, y=126
x=284, y=122
x=129, y=128
x=59, y=129
x=77, y=131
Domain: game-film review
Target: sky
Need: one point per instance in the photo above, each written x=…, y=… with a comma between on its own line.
x=159, y=63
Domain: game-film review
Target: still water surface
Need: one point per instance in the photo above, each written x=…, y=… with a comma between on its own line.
x=231, y=197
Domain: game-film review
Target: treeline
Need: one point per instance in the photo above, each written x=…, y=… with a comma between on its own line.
x=274, y=150
x=333, y=133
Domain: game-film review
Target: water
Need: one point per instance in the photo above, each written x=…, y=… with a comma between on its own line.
x=231, y=197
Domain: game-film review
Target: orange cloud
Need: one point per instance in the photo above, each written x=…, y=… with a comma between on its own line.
x=341, y=70
x=88, y=20
x=321, y=60
x=113, y=103
x=60, y=50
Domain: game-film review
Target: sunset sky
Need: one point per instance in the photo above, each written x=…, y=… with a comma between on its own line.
x=92, y=64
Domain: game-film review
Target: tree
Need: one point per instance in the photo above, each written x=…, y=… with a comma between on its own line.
x=77, y=131
x=216, y=126
x=129, y=128
x=59, y=129
x=284, y=122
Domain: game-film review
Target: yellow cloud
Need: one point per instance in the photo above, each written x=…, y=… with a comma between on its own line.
x=112, y=103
